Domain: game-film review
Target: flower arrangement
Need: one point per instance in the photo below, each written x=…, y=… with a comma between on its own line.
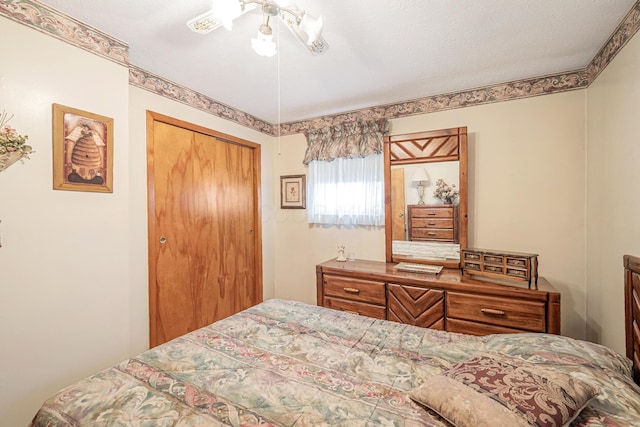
x=10, y=140
x=445, y=192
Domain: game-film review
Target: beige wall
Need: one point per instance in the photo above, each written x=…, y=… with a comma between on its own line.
x=300, y=246
x=526, y=173
x=73, y=265
x=613, y=197
x=64, y=261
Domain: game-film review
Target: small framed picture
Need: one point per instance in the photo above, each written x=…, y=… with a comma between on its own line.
x=293, y=192
x=82, y=150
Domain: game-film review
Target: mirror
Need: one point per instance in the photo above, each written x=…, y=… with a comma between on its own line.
x=418, y=227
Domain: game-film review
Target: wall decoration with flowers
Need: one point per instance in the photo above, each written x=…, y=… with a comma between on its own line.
x=13, y=146
x=293, y=192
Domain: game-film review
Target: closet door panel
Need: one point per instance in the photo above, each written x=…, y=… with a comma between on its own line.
x=230, y=208
x=203, y=219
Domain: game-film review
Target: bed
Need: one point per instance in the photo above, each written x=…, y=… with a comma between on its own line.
x=285, y=363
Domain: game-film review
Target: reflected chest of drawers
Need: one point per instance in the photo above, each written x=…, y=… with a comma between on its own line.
x=438, y=223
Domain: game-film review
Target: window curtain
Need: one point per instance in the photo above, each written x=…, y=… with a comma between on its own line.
x=346, y=174
x=346, y=141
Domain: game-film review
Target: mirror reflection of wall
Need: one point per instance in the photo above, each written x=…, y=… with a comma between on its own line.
x=448, y=171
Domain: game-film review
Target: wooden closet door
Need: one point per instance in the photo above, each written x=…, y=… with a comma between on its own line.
x=399, y=217
x=204, y=244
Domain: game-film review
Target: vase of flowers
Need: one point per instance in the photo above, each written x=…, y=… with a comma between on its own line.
x=13, y=146
x=444, y=192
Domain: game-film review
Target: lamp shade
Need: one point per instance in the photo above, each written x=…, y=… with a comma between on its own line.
x=264, y=45
x=420, y=175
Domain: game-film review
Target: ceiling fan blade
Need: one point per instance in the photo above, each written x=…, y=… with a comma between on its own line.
x=318, y=46
x=207, y=22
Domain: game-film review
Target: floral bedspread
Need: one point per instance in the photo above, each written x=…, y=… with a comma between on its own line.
x=284, y=363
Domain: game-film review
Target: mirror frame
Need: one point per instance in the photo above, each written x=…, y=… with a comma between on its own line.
x=424, y=147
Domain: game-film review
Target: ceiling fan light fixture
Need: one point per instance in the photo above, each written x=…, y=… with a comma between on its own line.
x=263, y=44
x=305, y=27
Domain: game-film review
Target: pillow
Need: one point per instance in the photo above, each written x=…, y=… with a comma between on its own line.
x=495, y=389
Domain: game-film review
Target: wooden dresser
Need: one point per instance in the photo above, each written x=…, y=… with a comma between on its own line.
x=447, y=301
x=438, y=223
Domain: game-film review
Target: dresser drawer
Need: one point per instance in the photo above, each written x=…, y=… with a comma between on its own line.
x=518, y=262
x=432, y=223
x=368, y=291
x=515, y=272
x=471, y=256
x=477, y=328
x=507, y=312
x=431, y=234
x=432, y=212
x=472, y=266
x=493, y=259
x=355, y=307
x=498, y=269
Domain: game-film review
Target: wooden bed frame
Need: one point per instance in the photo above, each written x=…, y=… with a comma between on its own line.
x=632, y=312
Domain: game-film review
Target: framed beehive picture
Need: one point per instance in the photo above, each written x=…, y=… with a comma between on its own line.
x=82, y=150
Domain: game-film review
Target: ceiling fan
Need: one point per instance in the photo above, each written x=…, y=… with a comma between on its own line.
x=305, y=27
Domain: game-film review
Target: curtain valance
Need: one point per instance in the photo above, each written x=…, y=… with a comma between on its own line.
x=345, y=141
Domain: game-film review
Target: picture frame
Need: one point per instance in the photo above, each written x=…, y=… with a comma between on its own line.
x=82, y=150
x=293, y=192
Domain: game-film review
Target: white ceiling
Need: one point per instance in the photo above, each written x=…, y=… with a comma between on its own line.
x=381, y=51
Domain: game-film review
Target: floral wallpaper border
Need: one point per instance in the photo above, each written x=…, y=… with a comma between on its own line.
x=467, y=98
x=158, y=85
x=50, y=21
x=625, y=31
x=55, y=23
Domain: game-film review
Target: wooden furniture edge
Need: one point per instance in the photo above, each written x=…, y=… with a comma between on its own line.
x=631, y=267
x=553, y=315
x=319, y=287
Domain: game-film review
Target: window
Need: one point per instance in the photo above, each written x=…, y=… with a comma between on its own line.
x=346, y=191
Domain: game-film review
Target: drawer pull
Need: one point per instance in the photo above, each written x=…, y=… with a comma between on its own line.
x=431, y=234
x=352, y=312
x=431, y=213
x=351, y=290
x=431, y=223
x=492, y=311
